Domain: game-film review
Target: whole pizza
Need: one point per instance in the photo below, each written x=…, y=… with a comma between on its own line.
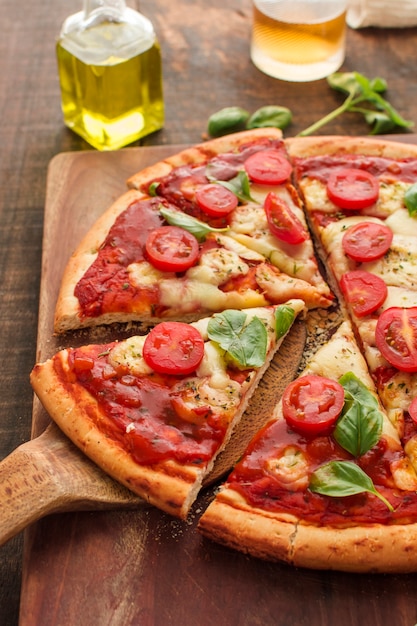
x=210, y=256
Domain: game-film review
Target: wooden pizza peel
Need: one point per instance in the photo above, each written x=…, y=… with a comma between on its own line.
x=49, y=474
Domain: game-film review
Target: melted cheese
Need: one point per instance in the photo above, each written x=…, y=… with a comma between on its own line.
x=128, y=354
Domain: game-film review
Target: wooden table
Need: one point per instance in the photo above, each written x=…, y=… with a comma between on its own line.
x=205, y=47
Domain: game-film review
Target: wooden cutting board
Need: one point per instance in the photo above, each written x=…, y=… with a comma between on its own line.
x=66, y=554
x=144, y=568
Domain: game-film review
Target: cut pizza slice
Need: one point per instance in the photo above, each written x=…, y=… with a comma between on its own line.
x=195, y=236
x=154, y=411
x=326, y=483
x=360, y=201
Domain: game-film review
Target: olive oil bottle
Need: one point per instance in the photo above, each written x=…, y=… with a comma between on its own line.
x=110, y=73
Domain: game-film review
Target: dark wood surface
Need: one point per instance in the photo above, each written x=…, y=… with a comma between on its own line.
x=205, y=49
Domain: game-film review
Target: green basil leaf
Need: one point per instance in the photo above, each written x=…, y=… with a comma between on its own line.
x=410, y=199
x=227, y=120
x=381, y=123
x=343, y=478
x=359, y=427
x=245, y=343
x=344, y=81
x=378, y=84
x=284, y=317
x=199, y=229
x=239, y=185
x=271, y=115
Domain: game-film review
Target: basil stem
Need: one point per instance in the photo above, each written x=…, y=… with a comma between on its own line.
x=341, y=479
x=245, y=343
x=199, y=229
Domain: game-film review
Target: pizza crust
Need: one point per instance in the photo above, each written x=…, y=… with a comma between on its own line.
x=304, y=147
x=373, y=548
x=200, y=153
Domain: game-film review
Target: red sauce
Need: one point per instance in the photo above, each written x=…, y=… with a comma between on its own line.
x=143, y=405
x=388, y=169
x=261, y=488
x=106, y=285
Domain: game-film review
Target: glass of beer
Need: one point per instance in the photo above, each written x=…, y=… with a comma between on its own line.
x=298, y=40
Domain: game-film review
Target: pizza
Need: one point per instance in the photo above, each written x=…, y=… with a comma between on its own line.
x=181, y=245
x=155, y=410
x=326, y=483
x=248, y=225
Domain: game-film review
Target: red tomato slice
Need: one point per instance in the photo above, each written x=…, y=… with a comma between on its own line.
x=353, y=189
x=172, y=249
x=367, y=241
x=311, y=404
x=412, y=410
x=215, y=200
x=268, y=167
x=173, y=348
x=364, y=291
x=282, y=222
x=396, y=337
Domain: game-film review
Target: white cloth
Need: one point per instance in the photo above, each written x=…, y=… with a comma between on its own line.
x=382, y=13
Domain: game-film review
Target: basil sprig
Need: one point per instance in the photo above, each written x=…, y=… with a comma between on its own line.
x=410, y=199
x=360, y=425
x=245, y=343
x=284, y=317
x=199, y=229
x=357, y=431
x=343, y=478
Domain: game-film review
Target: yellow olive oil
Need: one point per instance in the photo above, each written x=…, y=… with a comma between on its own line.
x=111, y=83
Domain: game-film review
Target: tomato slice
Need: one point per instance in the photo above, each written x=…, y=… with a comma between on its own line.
x=367, y=241
x=353, y=189
x=282, y=221
x=172, y=249
x=215, y=200
x=311, y=404
x=396, y=337
x=412, y=410
x=364, y=291
x=268, y=167
x=173, y=348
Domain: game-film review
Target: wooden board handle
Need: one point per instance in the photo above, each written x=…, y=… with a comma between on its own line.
x=48, y=474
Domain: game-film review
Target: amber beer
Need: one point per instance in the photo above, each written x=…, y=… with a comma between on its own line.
x=298, y=40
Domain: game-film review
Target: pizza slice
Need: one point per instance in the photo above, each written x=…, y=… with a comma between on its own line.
x=359, y=196
x=326, y=483
x=195, y=235
x=154, y=410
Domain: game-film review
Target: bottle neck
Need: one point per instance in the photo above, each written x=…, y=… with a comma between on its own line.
x=108, y=9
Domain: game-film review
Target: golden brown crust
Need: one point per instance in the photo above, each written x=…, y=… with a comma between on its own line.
x=335, y=144
x=373, y=548
x=169, y=486
x=200, y=153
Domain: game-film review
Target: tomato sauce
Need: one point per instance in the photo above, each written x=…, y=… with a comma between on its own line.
x=258, y=484
x=137, y=412
x=106, y=286
x=320, y=167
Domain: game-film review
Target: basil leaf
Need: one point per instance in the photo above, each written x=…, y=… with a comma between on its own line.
x=239, y=185
x=360, y=425
x=271, y=115
x=245, y=343
x=227, y=120
x=343, y=478
x=410, y=199
x=381, y=123
x=199, y=229
x=345, y=82
x=284, y=317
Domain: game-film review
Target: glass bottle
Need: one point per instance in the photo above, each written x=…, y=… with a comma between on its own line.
x=110, y=74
